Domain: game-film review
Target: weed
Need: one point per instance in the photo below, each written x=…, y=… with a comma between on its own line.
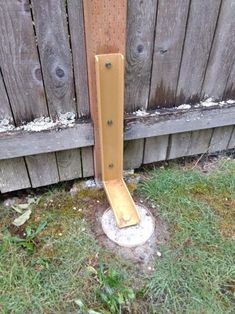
x=29, y=240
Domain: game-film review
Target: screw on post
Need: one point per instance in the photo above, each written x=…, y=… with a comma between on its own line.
x=108, y=64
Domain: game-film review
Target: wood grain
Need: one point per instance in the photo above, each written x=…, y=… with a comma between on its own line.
x=13, y=172
x=43, y=170
x=232, y=140
x=55, y=56
x=222, y=55
x=155, y=149
x=179, y=145
x=220, y=139
x=199, y=35
x=13, y=175
x=102, y=37
x=19, y=143
x=200, y=141
x=229, y=92
x=69, y=164
x=141, y=16
x=168, y=45
x=19, y=60
x=77, y=34
x=133, y=154
x=56, y=59
x=87, y=162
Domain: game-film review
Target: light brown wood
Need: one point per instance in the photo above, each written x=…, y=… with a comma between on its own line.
x=110, y=101
x=105, y=29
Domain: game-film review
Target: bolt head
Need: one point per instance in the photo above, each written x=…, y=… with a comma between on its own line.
x=110, y=122
x=108, y=64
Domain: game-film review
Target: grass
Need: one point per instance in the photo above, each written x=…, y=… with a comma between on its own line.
x=197, y=271
x=58, y=266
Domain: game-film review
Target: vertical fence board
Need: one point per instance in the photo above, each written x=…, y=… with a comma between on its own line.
x=133, y=154
x=141, y=16
x=199, y=35
x=56, y=59
x=155, y=149
x=13, y=175
x=69, y=164
x=53, y=44
x=229, y=92
x=19, y=61
x=139, y=51
x=200, y=141
x=87, y=162
x=222, y=54
x=179, y=145
x=77, y=33
x=169, y=38
x=105, y=30
x=76, y=27
x=43, y=169
x=220, y=139
x=232, y=140
x=5, y=110
x=13, y=172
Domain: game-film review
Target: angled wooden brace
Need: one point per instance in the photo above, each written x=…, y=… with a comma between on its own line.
x=110, y=102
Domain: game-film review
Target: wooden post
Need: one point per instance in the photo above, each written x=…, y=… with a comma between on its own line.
x=105, y=32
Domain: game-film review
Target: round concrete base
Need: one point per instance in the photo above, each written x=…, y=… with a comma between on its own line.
x=129, y=236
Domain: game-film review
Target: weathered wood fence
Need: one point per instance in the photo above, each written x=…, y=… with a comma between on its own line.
x=177, y=52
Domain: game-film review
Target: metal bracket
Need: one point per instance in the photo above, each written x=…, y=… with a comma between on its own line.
x=110, y=101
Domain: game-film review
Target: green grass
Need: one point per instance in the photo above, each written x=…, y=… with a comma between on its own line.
x=59, y=267
x=197, y=271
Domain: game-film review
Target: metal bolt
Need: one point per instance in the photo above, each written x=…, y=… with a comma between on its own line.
x=108, y=64
x=111, y=165
x=110, y=122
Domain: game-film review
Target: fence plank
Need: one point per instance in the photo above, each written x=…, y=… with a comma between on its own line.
x=222, y=54
x=53, y=44
x=69, y=164
x=200, y=141
x=43, y=170
x=220, y=139
x=19, y=60
x=155, y=149
x=139, y=51
x=229, y=92
x=169, y=38
x=232, y=140
x=87, y=162
x=21, y=67
x=133, y=154
x=76, y=27
x=13, y=172
x=13, y=175
x=179, y=145
x=56, y=59
x=199, y=35
x=5, y=109
x=102, y=37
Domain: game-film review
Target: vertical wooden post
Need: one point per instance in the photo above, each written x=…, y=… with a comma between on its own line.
x=105, y=32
